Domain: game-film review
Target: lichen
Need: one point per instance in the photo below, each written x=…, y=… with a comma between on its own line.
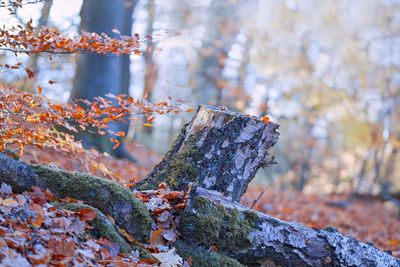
x=109, y=197
x=203, y=257
x=208, y=224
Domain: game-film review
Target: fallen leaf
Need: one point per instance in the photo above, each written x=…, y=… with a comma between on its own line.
x=168, y=259
x=86, y=214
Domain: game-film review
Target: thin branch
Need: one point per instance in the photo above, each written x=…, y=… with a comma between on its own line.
x=61, y=52
x=22, y=4
x=266, y=188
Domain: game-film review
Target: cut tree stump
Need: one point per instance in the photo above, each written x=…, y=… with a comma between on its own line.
x=219, y=150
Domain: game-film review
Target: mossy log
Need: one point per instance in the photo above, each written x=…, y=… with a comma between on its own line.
x=256, y=239
x=107, y=196
x=219, y=150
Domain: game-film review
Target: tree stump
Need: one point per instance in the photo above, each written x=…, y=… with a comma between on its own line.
x=218, y=150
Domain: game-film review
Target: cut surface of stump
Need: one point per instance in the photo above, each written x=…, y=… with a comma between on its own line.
x=219, y=150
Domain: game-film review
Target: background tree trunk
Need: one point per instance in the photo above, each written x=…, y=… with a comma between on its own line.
x=97, y=75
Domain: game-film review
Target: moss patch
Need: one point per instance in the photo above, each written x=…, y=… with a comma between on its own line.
x=180, y=168
x=109, y=197
x=202, y=257
x=207, y=224
x=102, y=227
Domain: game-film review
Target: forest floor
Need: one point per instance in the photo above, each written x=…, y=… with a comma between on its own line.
x=367, y=220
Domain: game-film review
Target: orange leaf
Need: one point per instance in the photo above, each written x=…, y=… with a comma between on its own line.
x=116, y=145
x=213, y=248
x=148, y=125
x=189, y=109
x=150, y=119
x=265, y=119
x=156, y=237
x=51, y=82
x=128, y=236
x=120, y=133
x=37, y=222
x=86, y=214
x=106, y=120
x=39, y=89
x=131, y=185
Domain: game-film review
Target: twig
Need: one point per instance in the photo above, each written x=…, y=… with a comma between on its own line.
x=266, y=188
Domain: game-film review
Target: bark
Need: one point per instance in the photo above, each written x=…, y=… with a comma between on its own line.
x=107, y=196
x=97, y=75
x=254, y=238
x=219, y=150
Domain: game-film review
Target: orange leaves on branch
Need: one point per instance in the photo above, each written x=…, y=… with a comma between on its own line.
x=27, y=120
x=28, y=40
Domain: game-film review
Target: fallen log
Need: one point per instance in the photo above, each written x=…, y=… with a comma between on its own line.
x=219, y=150
x=256, y=239
x=107, y=196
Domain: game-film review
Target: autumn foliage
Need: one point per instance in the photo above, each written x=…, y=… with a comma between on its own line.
x=30, y=120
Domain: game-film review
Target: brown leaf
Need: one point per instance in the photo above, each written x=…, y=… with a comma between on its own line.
x=86, y=214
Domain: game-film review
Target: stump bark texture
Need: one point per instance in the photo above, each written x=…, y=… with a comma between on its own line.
x=218, y=150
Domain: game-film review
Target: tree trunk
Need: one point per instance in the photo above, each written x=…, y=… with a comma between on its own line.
x=97, y=75
x=219, y=150
x=256, y=239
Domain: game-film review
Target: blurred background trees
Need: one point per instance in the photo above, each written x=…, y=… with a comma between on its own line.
x=327, y=71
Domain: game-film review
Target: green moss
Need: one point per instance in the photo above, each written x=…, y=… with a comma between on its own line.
x=109, y=197
x=180, y=168
x=202, y=257
x=102, y=227
x=211, y=225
